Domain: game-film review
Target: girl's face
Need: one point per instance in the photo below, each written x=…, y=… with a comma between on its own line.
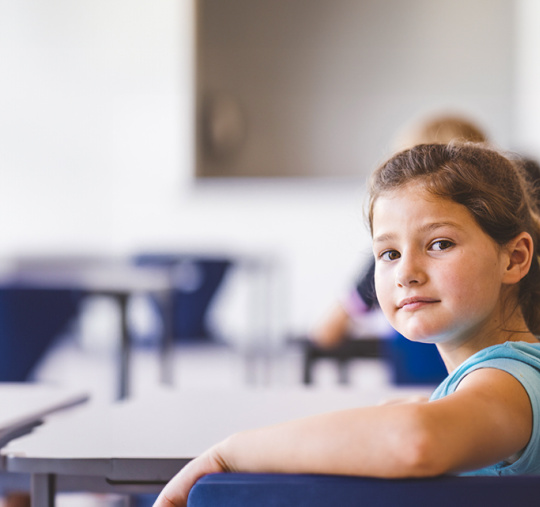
x=438, y=275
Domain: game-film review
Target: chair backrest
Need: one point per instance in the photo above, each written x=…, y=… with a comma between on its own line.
x=412, y=362
x=291, y=490
x=197, y=281
x=31, y=318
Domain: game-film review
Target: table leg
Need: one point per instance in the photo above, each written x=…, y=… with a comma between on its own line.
x=43, y=489
x=167, y=339
x=124, y=348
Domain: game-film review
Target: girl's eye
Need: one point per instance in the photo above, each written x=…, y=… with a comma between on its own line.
x=441, y=244
x=390, y=255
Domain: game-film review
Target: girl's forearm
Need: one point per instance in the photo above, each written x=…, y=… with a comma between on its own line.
x=486, y=420
x=383, y=441
x=376, y=441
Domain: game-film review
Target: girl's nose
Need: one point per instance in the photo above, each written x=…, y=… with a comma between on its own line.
x=409, y=272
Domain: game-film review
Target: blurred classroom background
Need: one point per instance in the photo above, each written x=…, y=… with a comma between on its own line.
x=237, y=130
x=219, y=149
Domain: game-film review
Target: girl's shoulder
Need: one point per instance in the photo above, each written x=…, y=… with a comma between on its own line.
x=520, y=359
x=525, y=352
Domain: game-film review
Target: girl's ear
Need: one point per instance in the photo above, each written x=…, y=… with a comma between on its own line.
x=520, y=253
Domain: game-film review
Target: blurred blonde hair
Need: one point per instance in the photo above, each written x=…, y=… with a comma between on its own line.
x=440, y=129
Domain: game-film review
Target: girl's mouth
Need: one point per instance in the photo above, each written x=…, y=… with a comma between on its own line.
x=413, y=303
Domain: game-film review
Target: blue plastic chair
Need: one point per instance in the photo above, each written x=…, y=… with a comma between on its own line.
x=413, y=363
x=284, y=490
x=31, y=319
x=196, y=283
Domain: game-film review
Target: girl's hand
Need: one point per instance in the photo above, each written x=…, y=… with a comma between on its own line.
x=175, y=493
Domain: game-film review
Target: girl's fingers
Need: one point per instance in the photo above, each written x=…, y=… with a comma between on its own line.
x=175, y=493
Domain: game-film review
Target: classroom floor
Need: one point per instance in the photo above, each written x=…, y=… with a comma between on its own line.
x=194, y=366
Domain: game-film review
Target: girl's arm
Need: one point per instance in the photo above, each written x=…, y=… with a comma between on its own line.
x=486, y=420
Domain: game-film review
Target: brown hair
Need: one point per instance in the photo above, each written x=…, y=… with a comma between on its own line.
x=488, y=184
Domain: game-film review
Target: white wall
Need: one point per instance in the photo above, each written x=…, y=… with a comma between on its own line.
x=96, y=151
x=527, y=82
x=96, y=148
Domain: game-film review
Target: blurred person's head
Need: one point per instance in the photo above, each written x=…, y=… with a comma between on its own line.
x=531, y=169
x=440, y=129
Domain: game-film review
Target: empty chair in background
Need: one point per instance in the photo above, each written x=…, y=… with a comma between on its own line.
x=196, y=281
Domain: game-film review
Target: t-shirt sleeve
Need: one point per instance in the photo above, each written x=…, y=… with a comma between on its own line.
x=529, y=378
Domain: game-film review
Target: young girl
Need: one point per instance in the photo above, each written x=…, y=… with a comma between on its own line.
x=454, y=237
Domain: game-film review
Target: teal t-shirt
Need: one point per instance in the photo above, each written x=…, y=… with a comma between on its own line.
x=522, y=361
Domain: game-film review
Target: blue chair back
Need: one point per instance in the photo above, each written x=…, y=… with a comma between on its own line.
x=30, y=320
x=196, y=281
x=413, y=363
x=283, y=490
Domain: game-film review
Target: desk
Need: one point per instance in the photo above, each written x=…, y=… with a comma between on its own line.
x=25, y=405
x=145, y=442
x=113, y=278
